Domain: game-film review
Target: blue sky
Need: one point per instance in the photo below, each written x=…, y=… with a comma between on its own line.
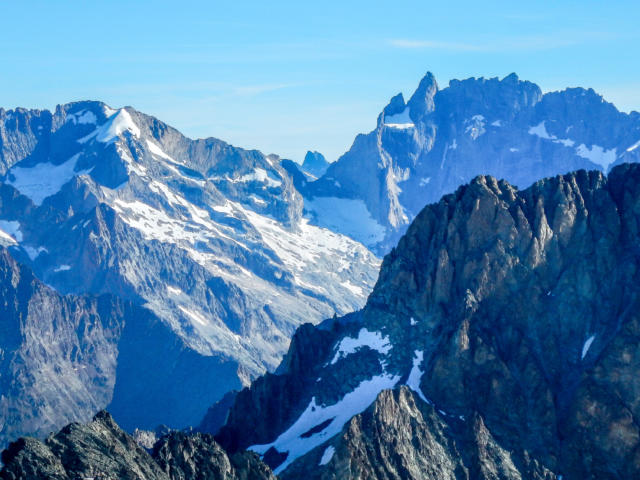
x=285, y=77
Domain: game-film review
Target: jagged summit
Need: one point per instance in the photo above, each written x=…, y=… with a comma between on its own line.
x=315, y=164
x=422, y=100
x=100, y=449
x=508, y=315
x=443, y=137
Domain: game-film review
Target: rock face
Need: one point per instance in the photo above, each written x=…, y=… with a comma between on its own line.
x=512, y=318
x=194, y=456
x=314, y=164
x=101, y=450
x=442, y=138
x=57, y=354
x=207, y=236
x=391, y=439
x=62, y=358
x=96, y=450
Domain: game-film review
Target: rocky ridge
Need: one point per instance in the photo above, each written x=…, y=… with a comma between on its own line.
x=511, y=317
x=441, y=138
x=102, y=451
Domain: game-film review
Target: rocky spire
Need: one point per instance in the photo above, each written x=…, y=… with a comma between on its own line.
x=421, y=102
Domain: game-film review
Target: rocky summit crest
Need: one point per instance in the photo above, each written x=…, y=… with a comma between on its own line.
x=511, y=316
x=443, y=137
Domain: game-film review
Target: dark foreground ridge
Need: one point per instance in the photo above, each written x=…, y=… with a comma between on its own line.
x=512, y=317
x=101, y=450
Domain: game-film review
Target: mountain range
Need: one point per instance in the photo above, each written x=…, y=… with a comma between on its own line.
x=153, y=275
x=500, y=342
x=442, y=138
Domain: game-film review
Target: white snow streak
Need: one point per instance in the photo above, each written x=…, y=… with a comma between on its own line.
x=597, y=155
x=156, y=150
x=634, y=146
x=348, y=216
x=44, y=179
x=327, y=455
x=195, y=316
x=413, y=382
x=373, y=340
x=400, y=120
x=352, y=403
x=587, y=345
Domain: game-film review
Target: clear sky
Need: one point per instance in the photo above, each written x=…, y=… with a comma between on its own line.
x=285, y=77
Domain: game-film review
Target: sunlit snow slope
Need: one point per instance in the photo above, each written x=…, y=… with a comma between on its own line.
x=210, y=237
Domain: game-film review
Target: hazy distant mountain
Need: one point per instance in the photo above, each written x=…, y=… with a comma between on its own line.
x=207, y=236
x=442, y=138
x=315, y=164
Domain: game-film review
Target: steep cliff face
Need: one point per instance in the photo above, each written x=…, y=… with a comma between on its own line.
x=514, y=314
x=57, y=354
x=64, y=357
x=195, y=456
x=101, y=450
x=443, y=137
x=402, y=437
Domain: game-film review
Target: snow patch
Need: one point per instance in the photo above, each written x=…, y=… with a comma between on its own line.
x=62, y=268
x=352, y=403
x=373, y=340
x=117, y=124
x=313, y=253
x=327, y=455
x=82, y=117
x=413, y=382
x=347, y=216
x=226, y=208
x=597, y=155
x=156, y=150
x=87, y=118
x=259, y=175
x=540, y=130
x=44, y=179
x=425, y=181
x=475, y=126
x=33, y=253
x=566, y=142
x=174, y=290
x=11, y=230
x=400, y=120
x=255, y=199
x=195, y=316
x=352, y=288
x=587, y=345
